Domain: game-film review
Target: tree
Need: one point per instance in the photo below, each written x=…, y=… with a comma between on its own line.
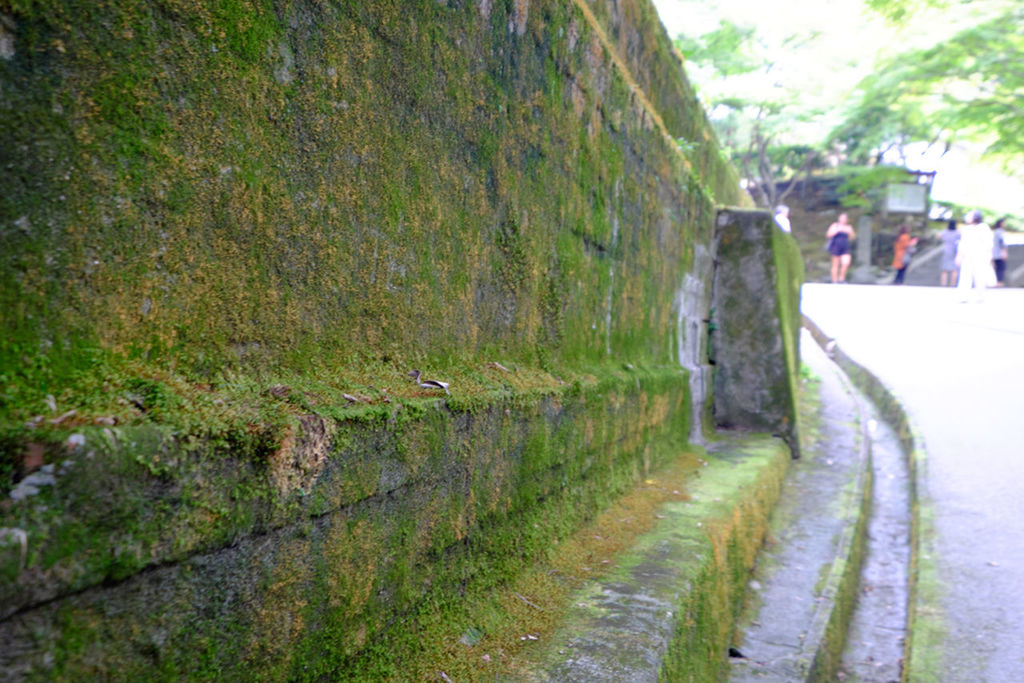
x=808, y=89
x=899, y=11
x=752, y=124
x=965, y=88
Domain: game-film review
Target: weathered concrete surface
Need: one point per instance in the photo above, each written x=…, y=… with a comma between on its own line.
x=876, y=634
x=756, y=319
x=806, y=578
x=958, y=369
x=666, y=612
x=875, y=638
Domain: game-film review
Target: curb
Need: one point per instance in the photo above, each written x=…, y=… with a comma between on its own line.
x=923, y=629
x=798, y=620
x=669, y=610
x=827, y=633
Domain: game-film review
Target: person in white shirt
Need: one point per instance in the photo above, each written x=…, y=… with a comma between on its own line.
x=782, y=217
x=974, y=257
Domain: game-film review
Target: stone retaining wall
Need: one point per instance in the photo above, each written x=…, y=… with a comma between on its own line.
x=229, y=230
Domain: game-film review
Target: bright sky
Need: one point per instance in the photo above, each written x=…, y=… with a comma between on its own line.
x=845, y=40
x=972, y=183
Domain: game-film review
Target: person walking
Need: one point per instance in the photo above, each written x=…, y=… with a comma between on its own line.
x=839, y=235
x=950, y=239
x=999, y=251
x=902, y=250
x=782, y=218
x=974, y=257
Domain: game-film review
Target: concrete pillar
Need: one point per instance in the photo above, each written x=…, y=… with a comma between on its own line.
x=862, y=271
x=864, y=240
x=756, y=317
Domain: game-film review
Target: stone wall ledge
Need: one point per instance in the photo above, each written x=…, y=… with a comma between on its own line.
x=667, y=612
x=345, y=527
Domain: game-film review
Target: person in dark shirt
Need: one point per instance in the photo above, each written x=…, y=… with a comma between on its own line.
x=840, y=234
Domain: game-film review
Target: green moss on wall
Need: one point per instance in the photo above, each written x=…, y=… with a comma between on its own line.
x=287, y=573
x=789, y=266
x=229, y=230
x=249, y=184
x=709, y=611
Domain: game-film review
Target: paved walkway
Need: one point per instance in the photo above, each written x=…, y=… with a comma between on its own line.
x=799, y=581
x=874, y=645
x=839, y=554
x=958, y=369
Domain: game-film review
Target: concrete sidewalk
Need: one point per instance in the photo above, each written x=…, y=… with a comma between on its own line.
x=954, y=370
x=805, y=584
x=867, y=560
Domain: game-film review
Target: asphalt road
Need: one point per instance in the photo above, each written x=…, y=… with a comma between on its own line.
x=958, y=370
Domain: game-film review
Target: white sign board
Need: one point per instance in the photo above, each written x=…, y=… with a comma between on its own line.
x=906, y=198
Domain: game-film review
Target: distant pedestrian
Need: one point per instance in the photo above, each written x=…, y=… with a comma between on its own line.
x=839, y=235
x=999, y=251
x=950, y=239
x=974, y=256
x=782, y=218
x=902, y=251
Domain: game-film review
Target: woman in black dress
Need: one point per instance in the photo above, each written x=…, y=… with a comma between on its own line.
x=840, y=234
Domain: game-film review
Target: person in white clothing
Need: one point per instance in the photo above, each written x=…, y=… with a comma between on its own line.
x=782, y=218
x=974, y=257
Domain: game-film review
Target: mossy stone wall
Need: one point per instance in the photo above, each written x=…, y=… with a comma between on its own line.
x=254, y=183
x=149, y=560
x=229, y=229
